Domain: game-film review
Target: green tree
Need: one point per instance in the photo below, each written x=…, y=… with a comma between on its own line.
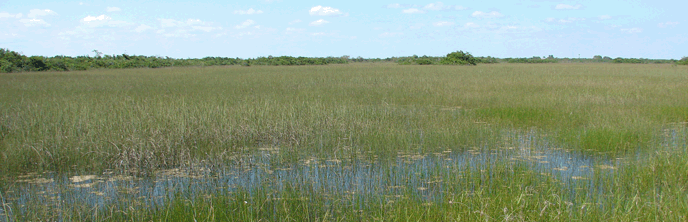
x=6, y=66
x=459, y=58
x=683, y=61
x=37, y=63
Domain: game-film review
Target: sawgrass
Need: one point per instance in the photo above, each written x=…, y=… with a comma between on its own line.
x=140, y=120
x=152, y=118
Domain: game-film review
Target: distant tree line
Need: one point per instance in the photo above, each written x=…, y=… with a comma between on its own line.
x=11, y=61
x=430, y=60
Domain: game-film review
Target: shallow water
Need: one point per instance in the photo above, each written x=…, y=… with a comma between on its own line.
x=425, y=176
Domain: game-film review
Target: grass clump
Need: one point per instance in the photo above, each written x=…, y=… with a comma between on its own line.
x=674, y=113
x=613, y=140
x=525, y=117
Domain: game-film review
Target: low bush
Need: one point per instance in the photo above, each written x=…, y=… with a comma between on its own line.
x=459, y=58
x=683, y=61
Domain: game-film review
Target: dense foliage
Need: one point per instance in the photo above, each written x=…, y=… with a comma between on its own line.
x=459, y=58
x=416, y=60
x=454, y=58
x=11, y=61
x=683, y=61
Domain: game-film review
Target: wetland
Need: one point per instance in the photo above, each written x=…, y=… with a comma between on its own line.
x=346, y=142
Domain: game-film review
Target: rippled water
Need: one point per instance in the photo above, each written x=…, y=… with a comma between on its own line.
x=408, y=174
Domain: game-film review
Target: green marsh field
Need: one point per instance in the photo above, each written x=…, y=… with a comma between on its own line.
x=347, y=142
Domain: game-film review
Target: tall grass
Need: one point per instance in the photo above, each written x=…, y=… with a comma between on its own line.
x=156, y=118
x=141, y=120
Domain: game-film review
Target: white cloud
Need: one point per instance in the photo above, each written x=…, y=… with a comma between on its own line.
x=434, y=6
x=99, y=18
x=34, y=22
x=113, y=9
x=632, y=30
x=442, y=23
x=33, y=13
x=167, y=23
x=492, y=14
x=318, y=22
x=440, y=6
x=295, y=21
x=604, y=17
x=412, y=11
x=102, y=28
x=250, y=11
x=318, y=34
x=667, y=24
x=245, y=24
x=8, y=15
x=471, y=25
x=142, y=28
x=567, y=7
x=102, y=20
x=395, y=5
x=391, y=34
x=325, y=11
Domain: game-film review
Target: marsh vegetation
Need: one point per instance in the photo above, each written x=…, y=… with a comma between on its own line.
x=346, y=142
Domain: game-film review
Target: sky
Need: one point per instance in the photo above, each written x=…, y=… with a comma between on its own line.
x=370, y=29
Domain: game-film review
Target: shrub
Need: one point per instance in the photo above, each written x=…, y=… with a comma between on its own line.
x=459, y=58
x=488, y=59
x=424, y=61
x=5, y=66
x=683, y=61
x=36, y=63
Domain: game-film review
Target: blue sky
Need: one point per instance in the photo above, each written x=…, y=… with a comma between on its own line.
x=199, y=28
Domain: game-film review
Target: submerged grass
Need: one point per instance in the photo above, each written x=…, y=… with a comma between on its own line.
x=653, y=189
x=138, y=121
